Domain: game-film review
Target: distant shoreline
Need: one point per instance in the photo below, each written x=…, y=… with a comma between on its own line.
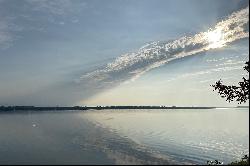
x=79, y=108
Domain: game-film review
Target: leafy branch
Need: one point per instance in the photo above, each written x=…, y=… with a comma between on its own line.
x=239, y=93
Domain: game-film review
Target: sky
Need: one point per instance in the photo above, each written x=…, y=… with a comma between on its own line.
x=121, y=52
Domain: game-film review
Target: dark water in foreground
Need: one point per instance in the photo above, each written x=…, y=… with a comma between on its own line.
x=124, y=136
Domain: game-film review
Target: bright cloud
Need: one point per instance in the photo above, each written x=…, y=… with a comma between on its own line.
x=155, y=54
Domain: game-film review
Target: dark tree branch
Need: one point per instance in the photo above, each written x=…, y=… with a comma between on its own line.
x=231, y=92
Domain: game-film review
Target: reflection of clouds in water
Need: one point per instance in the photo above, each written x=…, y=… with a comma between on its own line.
x=121, y=150
x=205, y=134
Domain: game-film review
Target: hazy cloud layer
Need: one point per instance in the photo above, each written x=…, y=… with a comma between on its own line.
x=152, y=55
x=56, y=7
x=31, y=12
x=5, y=35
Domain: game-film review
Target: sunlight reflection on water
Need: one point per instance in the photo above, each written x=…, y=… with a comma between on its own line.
x=192, y=135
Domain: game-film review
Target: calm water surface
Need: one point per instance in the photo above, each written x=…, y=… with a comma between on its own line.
x=124, y=136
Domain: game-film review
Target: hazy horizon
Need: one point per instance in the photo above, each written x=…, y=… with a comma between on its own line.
x=241, y=105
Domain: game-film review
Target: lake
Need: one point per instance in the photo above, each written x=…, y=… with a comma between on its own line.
x=124, y=136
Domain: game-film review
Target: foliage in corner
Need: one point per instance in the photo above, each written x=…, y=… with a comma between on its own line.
x=239, y=93
x=244, y=161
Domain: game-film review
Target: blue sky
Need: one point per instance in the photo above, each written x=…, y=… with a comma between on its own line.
x=56, y=52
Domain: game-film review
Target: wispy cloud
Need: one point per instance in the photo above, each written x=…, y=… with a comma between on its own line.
x=210, y=71
x=131, y=65
x=206, y=72
x=6, y=36
x=56, y=7
x=33, y=11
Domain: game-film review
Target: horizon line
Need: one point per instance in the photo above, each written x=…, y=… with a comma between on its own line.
x=121, y=106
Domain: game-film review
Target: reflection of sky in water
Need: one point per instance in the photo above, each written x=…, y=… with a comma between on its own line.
x=45, y=138
x=197, y=135
x=123, y=137
x=66, y=138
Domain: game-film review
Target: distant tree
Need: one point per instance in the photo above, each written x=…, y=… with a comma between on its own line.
x=231, y=92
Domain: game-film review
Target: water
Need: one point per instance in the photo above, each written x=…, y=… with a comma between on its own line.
x=124, y=136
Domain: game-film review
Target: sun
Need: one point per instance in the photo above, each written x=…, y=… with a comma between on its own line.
x=214, y=36
x=215, y=39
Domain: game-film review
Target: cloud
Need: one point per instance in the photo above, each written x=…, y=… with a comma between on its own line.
x=231, y=62
x=210, y=71
x=132, y=65
x=6, y=36
x=55, y=7
x=199, y=74
x=35, y=14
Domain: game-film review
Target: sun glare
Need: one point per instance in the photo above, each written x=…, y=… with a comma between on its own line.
x=215, y=39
